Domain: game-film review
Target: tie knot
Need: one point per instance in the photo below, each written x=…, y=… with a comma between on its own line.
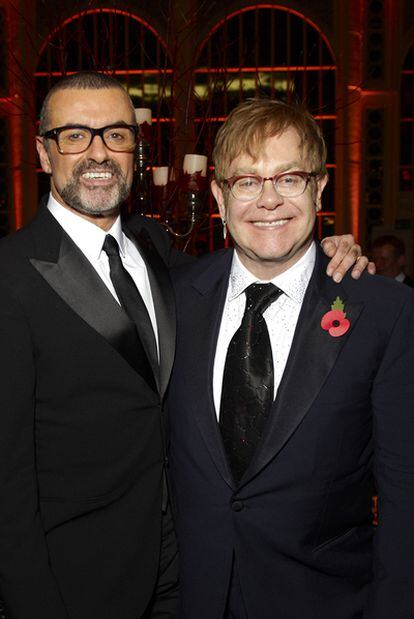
x=110, y=246
x=260, y=296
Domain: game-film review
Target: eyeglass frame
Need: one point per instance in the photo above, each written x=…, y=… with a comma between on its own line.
x=229, y=182
x=53, y=134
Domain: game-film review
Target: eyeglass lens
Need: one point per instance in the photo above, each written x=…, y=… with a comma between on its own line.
x=288, y=185
x=77, y=140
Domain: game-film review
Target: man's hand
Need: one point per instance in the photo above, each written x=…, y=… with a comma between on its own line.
x=345, y=253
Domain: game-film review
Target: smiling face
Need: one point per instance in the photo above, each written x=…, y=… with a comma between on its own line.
x=96, y=182
x=271, y=233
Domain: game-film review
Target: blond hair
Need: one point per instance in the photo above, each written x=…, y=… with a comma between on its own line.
x=255, y=120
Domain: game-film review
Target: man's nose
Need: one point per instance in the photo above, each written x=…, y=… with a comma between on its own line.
x=269, y=198
x=97, y=149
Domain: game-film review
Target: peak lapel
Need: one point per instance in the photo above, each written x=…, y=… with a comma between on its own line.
x=208, y=296
x=164, y=305
x=311, y=359
x=61, y=263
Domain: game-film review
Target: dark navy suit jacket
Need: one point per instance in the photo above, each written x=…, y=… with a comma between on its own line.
x=299, y=524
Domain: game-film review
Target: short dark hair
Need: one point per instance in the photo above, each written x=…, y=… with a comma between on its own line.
x=83, y=80
x=389, y=239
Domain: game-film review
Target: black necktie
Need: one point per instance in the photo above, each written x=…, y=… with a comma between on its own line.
x=247, y=392
x=134, y=306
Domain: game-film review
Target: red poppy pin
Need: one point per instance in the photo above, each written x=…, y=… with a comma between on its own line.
x=335, y=321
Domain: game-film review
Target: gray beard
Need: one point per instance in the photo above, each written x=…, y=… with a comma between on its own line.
x=111, y=199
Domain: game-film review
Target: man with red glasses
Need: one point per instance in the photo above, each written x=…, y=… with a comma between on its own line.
x=292, y=398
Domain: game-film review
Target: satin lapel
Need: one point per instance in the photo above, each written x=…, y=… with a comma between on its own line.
x=207, y=302
x=311, y=359
x=73, y=278
x=164, y=305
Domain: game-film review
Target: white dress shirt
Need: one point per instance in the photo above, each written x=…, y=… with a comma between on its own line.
x=90, y=238
x=281, y=316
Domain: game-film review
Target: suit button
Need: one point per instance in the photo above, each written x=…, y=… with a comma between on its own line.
x=237, y=506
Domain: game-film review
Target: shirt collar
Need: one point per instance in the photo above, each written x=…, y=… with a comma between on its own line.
x=85, y=234
x=293, y=282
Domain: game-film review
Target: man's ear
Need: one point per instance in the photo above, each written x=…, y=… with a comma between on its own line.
x=320, y=186
x=217, y=192
x=401, y=262
x=43, y=156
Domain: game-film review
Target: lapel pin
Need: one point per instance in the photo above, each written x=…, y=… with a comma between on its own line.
x=335, y=321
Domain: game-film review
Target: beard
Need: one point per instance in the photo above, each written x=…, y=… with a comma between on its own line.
x=96, y=201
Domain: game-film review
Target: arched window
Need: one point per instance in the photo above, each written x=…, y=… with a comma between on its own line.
x=270, y=51
x=119, y=43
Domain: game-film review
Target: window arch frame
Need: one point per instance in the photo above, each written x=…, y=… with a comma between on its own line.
x=325, y=216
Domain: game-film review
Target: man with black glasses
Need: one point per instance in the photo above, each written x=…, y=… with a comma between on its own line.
x=86, y=349
x=87, y=337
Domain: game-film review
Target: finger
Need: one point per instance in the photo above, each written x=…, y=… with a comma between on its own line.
x=344, y=244
x=360, y=266
x=371, y=268
x=338, y=244
x=345, y=257
x=350, y=259
x=329, y=246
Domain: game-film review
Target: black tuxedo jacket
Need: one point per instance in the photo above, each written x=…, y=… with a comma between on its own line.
x=81, y=441
x=299, y=524
x=408, y=281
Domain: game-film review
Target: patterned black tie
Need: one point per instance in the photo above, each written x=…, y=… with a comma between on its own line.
x=134, y=306
x=247, y=392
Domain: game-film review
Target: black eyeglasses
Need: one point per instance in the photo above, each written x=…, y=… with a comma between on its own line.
x=287, y=184
x=77, y=138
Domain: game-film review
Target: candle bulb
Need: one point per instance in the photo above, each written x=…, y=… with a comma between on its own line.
x=160, y=175
x=194, y=172
x=162, y=191
x=143, y=115
x=194, y=164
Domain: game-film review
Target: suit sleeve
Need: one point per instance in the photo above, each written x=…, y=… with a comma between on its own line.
x=161, y=239
x=27, y=585
x=392, y=592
